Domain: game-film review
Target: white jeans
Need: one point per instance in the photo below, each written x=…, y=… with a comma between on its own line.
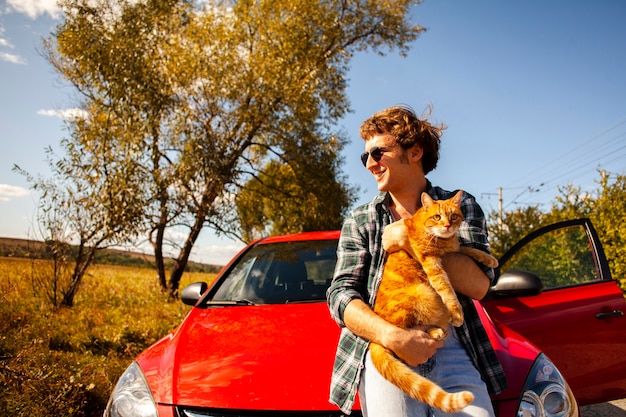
x=451, y=368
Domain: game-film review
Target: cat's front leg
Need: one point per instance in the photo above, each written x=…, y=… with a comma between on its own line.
x=480, y=256
x=395, y=238
x=441, y=283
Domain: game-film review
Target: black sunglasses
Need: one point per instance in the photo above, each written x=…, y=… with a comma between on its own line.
x=376, y=153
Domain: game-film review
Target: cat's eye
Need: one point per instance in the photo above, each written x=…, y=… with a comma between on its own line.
x=437, y=217
x=454, y=217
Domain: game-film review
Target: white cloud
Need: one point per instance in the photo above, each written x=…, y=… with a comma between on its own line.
x=5, y=56
x=34, y=8
x=12, y=58
x=65, y=114
x=216, y=254
x=9, y=192
x=208, y=249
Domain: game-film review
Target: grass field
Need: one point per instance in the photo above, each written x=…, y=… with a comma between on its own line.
x=65, y=362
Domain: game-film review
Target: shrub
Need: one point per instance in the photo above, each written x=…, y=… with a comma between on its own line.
x=66, y=361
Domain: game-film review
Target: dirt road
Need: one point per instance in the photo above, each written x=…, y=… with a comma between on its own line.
x=615, y=408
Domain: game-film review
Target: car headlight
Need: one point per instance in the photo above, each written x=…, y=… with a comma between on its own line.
x=131, y=396
x=546, y=394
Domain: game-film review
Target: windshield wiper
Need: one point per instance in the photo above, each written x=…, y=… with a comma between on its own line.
x=304, y=300
x=241, y=302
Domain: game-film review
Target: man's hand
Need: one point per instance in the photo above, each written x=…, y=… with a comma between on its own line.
x=414, y=346
x=395, y=238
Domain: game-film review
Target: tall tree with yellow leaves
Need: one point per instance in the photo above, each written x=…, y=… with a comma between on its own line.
x=208, y=96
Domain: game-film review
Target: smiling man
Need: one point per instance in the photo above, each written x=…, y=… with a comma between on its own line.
x=400, y=149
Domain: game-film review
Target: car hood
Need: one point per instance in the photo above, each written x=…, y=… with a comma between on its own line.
x=276, y=357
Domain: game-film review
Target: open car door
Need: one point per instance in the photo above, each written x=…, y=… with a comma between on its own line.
x=555, y=288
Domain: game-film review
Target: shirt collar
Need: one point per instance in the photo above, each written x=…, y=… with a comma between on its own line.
x=383, y=200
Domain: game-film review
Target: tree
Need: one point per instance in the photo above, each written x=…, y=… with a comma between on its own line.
x=82, y=205
x=211, y=94
x=115, y=55
x=53, y=279
x=607, y=211
x=298, y=194
x=569, y=204
x=572, y=202
x=606, y=207
x=514, y=226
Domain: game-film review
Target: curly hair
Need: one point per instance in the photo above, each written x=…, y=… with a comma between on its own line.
x=402, y=123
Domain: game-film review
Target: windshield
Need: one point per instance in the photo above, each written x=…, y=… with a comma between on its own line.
x=279, y=273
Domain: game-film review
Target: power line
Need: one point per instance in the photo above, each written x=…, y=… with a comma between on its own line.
x=570, y=163
x=554, y=167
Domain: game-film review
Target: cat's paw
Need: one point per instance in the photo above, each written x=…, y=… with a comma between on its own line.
x=437, y=333
x=456, y=318
x=483, y=257
x=395, y=237
x=491, y=262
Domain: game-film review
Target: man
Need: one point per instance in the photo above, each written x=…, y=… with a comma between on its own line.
x=400, y=149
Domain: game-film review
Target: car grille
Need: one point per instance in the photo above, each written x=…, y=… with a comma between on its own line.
x=187, y=412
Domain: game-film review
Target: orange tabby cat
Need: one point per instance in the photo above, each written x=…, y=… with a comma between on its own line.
x=410, y=294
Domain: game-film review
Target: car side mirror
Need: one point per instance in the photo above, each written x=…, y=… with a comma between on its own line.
x=516, y=283
x=193, y=292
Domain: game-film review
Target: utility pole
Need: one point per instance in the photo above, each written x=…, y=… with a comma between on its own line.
x=500, y=207
x=500, y=213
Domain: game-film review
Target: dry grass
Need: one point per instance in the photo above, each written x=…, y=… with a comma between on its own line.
x=66, y=361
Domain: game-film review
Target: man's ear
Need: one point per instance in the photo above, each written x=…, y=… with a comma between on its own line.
x=416, y=153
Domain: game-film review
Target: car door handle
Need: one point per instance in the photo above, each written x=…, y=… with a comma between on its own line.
x=610, y=314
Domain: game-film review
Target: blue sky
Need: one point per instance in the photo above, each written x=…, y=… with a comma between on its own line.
x=533, y=93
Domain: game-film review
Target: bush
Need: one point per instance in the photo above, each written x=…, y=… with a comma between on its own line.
x=65, y=362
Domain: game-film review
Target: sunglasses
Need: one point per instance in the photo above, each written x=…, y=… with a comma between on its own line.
x=376, y=153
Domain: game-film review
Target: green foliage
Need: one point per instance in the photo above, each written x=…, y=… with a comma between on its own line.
x=65, y=362
x=187, y=102
x=606, y=207
x=80, y=203
x=514, y=225
x=608, y=215
x=561, y=258
x=298, y=194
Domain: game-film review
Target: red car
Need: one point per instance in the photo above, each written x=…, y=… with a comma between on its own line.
x=260, y=340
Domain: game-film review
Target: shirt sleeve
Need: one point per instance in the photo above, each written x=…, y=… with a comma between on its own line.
x=351, y=271
x=473, y=231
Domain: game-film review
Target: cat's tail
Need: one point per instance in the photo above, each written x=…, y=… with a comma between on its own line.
x=415, y=385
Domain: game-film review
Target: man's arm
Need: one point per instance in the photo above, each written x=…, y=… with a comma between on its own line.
x=465, y=275
x=414, y=346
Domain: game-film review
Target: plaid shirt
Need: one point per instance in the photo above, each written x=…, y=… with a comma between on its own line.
x=358, y=274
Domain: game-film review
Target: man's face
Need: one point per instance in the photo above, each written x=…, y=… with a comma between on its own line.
x=396, y=169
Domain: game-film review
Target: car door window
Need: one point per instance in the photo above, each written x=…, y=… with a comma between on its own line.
x=561, y=257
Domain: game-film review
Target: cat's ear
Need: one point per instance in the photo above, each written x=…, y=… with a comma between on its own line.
x=427, y=200
x=458, y=197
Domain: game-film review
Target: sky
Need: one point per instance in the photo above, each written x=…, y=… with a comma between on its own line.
x=533, y=94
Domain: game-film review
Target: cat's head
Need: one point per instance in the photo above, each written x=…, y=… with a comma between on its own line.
x=442, y=218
